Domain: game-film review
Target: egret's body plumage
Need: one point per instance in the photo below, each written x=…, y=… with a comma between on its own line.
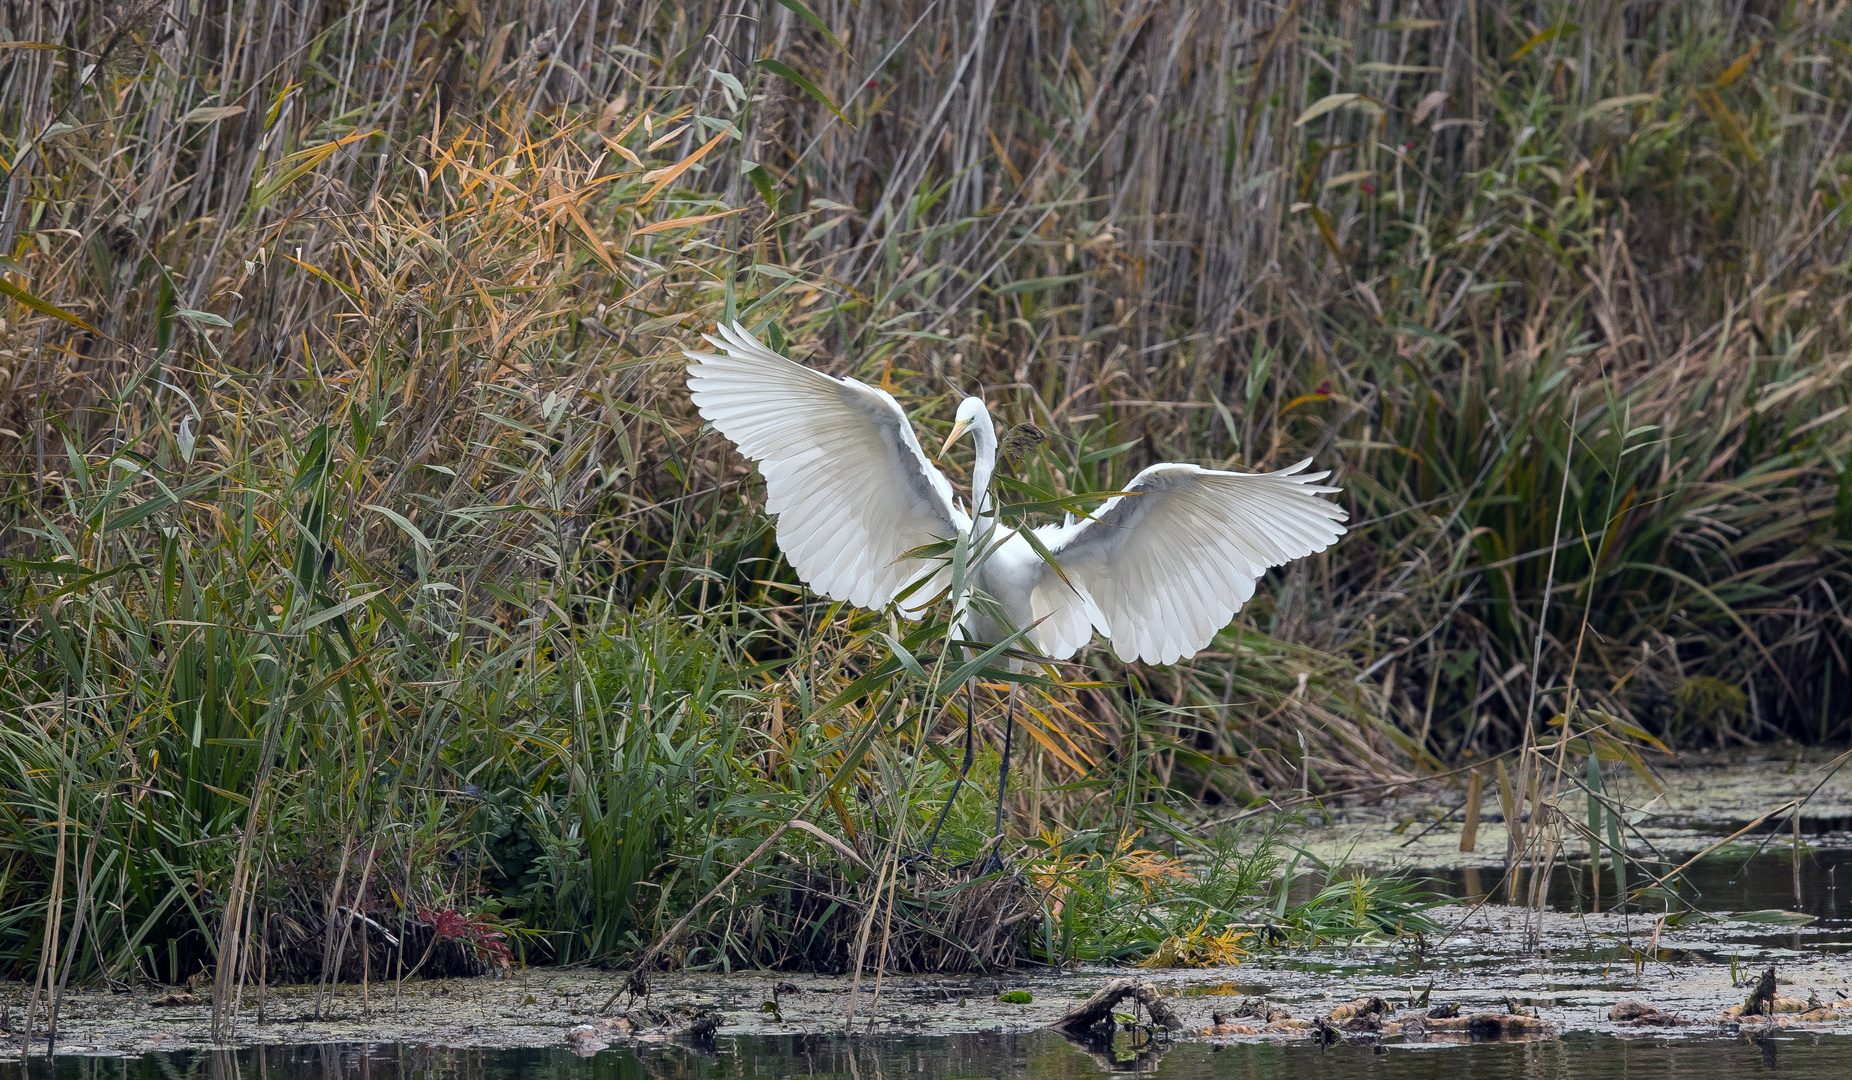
x=1157, y=570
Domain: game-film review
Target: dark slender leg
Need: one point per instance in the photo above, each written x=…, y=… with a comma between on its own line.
x=970, y=756
x=995, y=861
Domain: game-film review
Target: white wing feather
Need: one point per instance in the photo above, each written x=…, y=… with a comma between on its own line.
x=1161, y=571
x=844, y=475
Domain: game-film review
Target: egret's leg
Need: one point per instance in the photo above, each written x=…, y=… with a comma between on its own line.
x=995, y=862
x=970, y=756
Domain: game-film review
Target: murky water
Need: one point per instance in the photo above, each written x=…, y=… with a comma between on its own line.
x=1735, y=879
x=1039, y=1054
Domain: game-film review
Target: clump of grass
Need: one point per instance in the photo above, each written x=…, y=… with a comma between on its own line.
x=1212, y=902
x=1708, y=703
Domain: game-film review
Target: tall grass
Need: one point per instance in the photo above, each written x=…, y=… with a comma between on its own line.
x=362, y=552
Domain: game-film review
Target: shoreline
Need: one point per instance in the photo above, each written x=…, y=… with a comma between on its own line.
x=1582, y=966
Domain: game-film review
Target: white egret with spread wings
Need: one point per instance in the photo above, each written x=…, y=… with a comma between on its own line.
x=1157, y=570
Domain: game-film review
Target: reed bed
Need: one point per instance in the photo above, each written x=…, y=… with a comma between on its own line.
x=363, y=560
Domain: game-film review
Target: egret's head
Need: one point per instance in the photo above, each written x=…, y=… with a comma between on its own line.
x=969, y=410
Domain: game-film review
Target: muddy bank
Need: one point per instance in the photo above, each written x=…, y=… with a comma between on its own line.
x=1581, y=969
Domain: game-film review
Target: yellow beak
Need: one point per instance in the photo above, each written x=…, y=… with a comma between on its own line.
x=957, y=429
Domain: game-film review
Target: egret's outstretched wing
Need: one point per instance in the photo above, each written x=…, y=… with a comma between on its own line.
x=850, y=487
x=1160, y=571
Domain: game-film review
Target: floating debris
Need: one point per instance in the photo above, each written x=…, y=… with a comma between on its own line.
x=1639, y=1012
x=587, y=1039
x=1225, y=1026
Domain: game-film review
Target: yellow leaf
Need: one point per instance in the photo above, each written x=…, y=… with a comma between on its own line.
x=493, y=61
x=1539, y=38
x=1720, y=114
x=1301, y=400
x=325, y=276
x=1735, y=71
x=1625, y=101
x=1325, y=230
x=301, y=162
x=44, y=307
x=662, y=139
x=1049, y=745
x=212, y=114
x=680, y=167
x=1324, y=105
x=1348, y=178
x=624, y=152
x=676, y=223
x=597, y=244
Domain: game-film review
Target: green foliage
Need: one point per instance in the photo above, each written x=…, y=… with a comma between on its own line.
x=1708, y=703
x=623, y=814
x=1213, y=902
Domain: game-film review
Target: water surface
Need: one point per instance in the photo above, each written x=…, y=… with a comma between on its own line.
x=1799, y=1056
x=1734, y=879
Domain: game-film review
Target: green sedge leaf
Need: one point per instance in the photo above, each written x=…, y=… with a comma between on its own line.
x=779, y=67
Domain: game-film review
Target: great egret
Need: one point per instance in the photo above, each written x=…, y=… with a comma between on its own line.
x=1157, y=570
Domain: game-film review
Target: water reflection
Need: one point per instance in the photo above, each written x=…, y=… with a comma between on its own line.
x=1770, y=1047
x=1730, y=880
x=1137, y=1051
x=1802, y=1056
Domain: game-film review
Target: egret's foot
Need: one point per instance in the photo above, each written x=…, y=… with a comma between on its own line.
x=992, y=864
x=914, y=858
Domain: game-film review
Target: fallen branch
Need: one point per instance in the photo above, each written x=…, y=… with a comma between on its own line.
x=1099, y=1008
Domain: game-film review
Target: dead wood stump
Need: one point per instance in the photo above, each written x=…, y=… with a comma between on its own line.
x=1762, y=1001
x=1099, y=1008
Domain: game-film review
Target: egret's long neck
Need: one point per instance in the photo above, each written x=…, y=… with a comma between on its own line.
x=986, y=437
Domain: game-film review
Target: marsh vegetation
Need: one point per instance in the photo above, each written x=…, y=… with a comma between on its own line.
x=372, y=600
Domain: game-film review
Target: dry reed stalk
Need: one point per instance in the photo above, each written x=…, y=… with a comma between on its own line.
x=330, y=963
x=888, y=870
x=1475, y=792
x=48, y=952
x=1795, y=821
x=62, y=971
x=355, y=913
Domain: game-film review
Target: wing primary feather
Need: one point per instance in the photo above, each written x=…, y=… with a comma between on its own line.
x=1169, y=566
x=846, y=480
